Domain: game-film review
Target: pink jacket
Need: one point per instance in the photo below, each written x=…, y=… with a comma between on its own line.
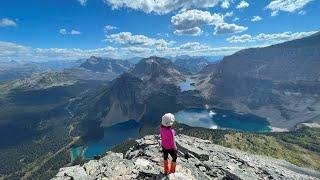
x=167, y=137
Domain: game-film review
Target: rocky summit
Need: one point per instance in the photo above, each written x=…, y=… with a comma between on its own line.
x=198, y=159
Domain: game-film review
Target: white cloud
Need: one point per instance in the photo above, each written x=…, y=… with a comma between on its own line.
x=189, y=22
x=195, y=31
x=228, y=14
x=110, y=28
x=242, y=5
x=75, y=32
x=235, y=19
x=12, y=51
x=8, y=49
x=193, y=46
x=270, y=38
x=126, y=38
x=189, y=48
x=274, y=13
x=137, y=51
x=73, y=53
x=163, y=34
x=226, y=4
x=198, y=49
x=302, y=12
x=161, y=7
x=286, y=5
x=225, y=28
x=285, y=36
x=82, y=2
x=6, y=22
x=194, y=18
x=140, y=45
x=63, y=31
x=240, y=39
x=256, y=18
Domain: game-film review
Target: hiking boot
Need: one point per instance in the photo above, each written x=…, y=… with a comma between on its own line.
x=173, y=167
x=166, y=167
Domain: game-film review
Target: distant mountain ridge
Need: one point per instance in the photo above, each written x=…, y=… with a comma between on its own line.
x=13, y=70
x=191, y=65
x=290, y=61
x=279, y=82
x=42, y=81
x=106, y=65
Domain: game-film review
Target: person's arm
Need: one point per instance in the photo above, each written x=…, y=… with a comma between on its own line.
x=174, y=140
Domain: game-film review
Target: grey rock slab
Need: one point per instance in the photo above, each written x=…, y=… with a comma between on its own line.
x=205, y=161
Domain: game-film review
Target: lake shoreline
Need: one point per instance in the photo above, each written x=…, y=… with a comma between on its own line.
x=214, y=118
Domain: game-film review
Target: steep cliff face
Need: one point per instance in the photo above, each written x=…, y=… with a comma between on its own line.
x=297, y=60
x=198, y=159
x=279, y=82
x=125, y=100
x=130, y=94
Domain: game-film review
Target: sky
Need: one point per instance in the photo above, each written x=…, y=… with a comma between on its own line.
x=37, y=30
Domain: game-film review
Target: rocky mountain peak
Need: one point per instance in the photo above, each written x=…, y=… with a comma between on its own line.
x=125, y=100
x=197, y=159
x=153, y=68
x=129, y=92
x=94, y=58
x=125, y=87
x=98, y=64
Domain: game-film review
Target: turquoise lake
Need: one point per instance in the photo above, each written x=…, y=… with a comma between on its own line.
x=196, y=117
x=75, y=152
x=112, y=136
x=187, y=85
x=222, y=119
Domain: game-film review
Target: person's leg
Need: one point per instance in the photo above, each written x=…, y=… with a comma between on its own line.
x=173, y=154
x=165, y=160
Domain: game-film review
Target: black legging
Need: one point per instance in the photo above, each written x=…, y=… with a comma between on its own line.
x=172, y=152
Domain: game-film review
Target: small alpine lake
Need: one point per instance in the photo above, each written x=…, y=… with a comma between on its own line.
x=75, y=152
x=222, y=119
x=113, y=135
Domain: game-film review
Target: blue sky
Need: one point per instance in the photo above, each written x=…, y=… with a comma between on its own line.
x=72, y=29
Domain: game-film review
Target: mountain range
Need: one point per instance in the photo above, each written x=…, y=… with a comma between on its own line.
x=97, y=64
x=93, y=68
x=274, y=82
x=278, y=82
x=44, y=114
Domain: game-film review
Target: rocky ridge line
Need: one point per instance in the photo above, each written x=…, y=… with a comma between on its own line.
x=198, y=159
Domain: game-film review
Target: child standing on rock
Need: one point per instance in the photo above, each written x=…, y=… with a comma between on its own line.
x=168, y=143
